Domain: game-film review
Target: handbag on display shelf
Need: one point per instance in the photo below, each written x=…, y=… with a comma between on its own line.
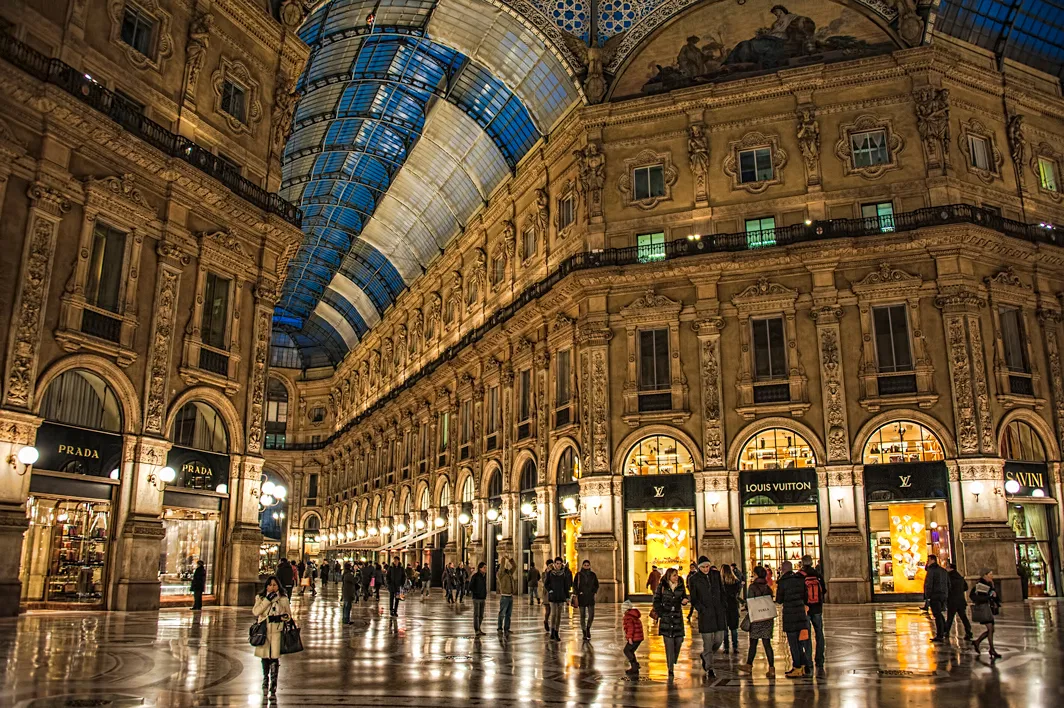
x=761, y=608
x=291, y=642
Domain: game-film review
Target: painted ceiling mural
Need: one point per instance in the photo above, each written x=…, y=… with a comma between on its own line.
x=413, y=111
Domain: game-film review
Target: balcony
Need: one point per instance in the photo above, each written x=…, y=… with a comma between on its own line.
x=97, y=324
x=214, y=362
x=84, y=89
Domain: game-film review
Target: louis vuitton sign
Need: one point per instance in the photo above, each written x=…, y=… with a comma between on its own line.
x=906, y=481
x=778, y=487
x=659, y=491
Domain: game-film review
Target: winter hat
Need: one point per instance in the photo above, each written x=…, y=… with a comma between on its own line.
x=626, y=605
x=702, y=560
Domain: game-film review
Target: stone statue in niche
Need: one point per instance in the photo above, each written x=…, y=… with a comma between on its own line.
x=809, y=143
x=698, y=154
x=592, y=177
x=593, y=58
x=932, y=122
x=199, y=40
x=1017, y=144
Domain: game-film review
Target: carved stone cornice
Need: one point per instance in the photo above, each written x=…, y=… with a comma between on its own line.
x=47, y=199
x=959, y=298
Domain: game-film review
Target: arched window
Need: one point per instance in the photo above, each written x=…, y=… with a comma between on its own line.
x=902, y=441
x=528, y=476
x=495, y=485
x=568, y=466
x=81, y=398
x=659, y=454
x=425, y=502
x=406, y=505
x=445, y=495
x=775, y=449
x=276, y=413
x=199, y=426
x=312, y=525
x=1020, y=443
x=467, y=489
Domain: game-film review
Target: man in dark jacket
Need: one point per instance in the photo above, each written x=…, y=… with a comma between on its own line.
x=790, y=592
x=532, y=580
x=367, y=576
x=936, y=592
x=707, y=596
x=326, y=568
x=478, y=590
x=815, y=587
x=586, y=585
x=461, y=581
x=286, y=576
x=348, y=590
x=396, y=577
x=199, y=585
x=557, y=585
x=957, y=603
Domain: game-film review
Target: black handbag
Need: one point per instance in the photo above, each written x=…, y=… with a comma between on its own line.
x=291, y=643
x=982, y=613
x=257, y=634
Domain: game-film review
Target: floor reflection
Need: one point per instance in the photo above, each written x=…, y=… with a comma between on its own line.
x=877, y=656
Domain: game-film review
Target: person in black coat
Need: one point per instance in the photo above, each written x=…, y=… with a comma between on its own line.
x=707, y=596
x=957, y=603
x=986, y=603
x=557, y=584
x=669, y=601
x=790, y=592
x=367, y=575
x=396, y=579
x=586, y=585
x=378, y=580
x=478, y=590
x=936, y=593
x=348, y=591
x=733, y=590
x=199, y=585
x=286, y=576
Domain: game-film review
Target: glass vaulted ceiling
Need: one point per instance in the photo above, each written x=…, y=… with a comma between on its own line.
x=412, y=112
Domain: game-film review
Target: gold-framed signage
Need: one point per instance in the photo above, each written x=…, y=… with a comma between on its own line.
x=64, y=448
x=795, y=485
x=1031, y=480
x=197, y=469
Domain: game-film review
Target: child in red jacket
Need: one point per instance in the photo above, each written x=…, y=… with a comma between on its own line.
x=633, y=635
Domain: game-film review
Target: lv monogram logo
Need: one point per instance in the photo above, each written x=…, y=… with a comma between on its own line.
x=659, y=492
x=906, y=480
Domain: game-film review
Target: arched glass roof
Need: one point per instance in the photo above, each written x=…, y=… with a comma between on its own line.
x=412, y=112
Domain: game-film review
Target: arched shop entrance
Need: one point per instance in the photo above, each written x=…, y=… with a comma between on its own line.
x=441, y=539
x=67, y=547
x=311, y=538
x=907, y=490
x=529, y=517
x=778, y=493
x=569, y=505
x=1032, y=508
x=659, y=509
x=493, y=527
x=195, y=503
x=465, y=519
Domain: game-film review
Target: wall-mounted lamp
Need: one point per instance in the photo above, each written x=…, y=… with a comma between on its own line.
x=838, y=495
x=372, y=531
x=527, y=509
x=1038, y=493
x=115, y=474
x=498, y=537
x=694, y=237
x=350, y=535
x=439, y=521
x=222, y=488
x=493, y=514
x=400, y=527
x=26, y=457
x=1012, y=486
x=464, y=518
x=713, y=499
x=165, y=476
x=976, y=489
x=385, y=530
x=360, y=533
x=419, y=524
x=569, y=504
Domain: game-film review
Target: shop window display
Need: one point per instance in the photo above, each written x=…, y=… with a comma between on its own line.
x=190, y=537
x=570, y=533
x=901, y=442
x=903, y=535
x=776, y=449
x=774, y=534
x=659, y=454
x=658, y=538
x=1032, y=522
x=66, y=550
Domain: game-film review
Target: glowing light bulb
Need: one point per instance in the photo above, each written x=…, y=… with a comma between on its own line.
x=977, y=488
x=267, y=488
x=526, y=509
x=167, y=474
x=222, y=488
x=28, y=455
x=401, y=528
x=569, y=503
x=419, y=524
x=463, y=518
x=439, y=521
x=493, y=514
x=1012, y=486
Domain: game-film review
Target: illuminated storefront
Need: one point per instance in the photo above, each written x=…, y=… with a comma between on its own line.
x=568, y=495
x=659, y=510
x=778, y=493
x=907, y=490
x=1032, y=508
x=191, y=535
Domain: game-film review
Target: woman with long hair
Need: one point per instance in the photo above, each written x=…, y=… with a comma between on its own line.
x=732, y=589
x=985, y=605
x=669, y=601
x=271, y=606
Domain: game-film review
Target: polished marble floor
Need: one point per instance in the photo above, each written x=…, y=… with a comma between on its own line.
x=877, y=656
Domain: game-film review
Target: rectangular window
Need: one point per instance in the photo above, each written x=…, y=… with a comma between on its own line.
x=649, y=182
x=562, y=376
x=770, y=349
x=138, y=29
x=654, y=360
x=566, y=211
x=498, y=270
x=467, y=422
x=444, y=430
x=893, y=349
x=528, y=243
x=493, y=410
x=215, y=310
x=979, y=147
x=234, y=99
x=105, y=268
x=869, y=149
x=1047, y=174
x=761, y=232
x=276, y=411
x=1012, y=338
x=424, y=442
x=312, y=487
x=524, y=409
x=448, y=309
x=883, y=211
x=651, y=247
x=755, y=165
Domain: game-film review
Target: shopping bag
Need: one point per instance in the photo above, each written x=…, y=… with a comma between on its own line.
x=305, y=582
x=291, y=643
x=761, y=608
x=803, y=635
x=257, y=634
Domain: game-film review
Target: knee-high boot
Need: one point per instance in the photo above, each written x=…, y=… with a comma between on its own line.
x=265, y=675
x=274, y=668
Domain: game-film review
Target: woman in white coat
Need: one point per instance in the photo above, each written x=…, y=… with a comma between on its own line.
x=272, y=606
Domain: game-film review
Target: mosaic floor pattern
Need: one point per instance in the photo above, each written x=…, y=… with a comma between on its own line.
x=877, y=656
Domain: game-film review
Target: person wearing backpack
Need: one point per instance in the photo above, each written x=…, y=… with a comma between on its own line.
x=815, y=591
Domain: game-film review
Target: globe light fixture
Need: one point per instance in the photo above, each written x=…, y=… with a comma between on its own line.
x=493, y=514
x=526, y=509
x=1012, y=486
x=439, y=521
x=463, y=518
x=419, y=524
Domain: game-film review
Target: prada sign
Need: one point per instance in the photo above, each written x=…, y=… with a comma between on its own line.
x=197, y=469
x=778, y=487
x=1032, y=478
x=64, y=448
x=906, y=480
x=659, y=491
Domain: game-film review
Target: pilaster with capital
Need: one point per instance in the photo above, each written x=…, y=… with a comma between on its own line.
x=245, y=535
x=986, y=540
x=708, y=331
x=960, y=307
x=593, y=339
x=16, y=431
x=832, y=381
x=1049, y=318
x=172, y=261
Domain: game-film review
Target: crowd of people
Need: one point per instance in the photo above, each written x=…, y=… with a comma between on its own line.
x=718, y=602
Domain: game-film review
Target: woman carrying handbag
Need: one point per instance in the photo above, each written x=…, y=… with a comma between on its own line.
x=760, y=629
x=985, y=604
x=669, y=601
x=271, y=607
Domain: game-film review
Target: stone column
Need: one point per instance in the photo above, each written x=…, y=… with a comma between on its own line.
x=593, y=338
x=598, y=541
x=546, y=513
x=478, y=547
x=985, y=539
x=245, y=535
x=713, y=505
x=450, y=551
x=140, y=528
x=17, y=430
x=846, y=547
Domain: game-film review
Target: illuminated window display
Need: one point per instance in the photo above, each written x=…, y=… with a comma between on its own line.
x=661, y=538
x=570, y=533
x=659, y=454
x=65, y=551
x=776, y=449
x=774, y=534
x=907, y=488
x=1032, y=510
x=190, y=537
